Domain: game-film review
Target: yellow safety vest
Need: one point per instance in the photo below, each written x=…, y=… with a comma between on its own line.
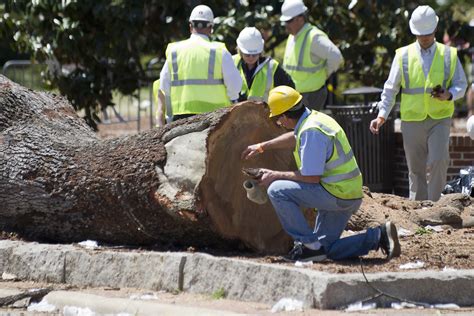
x=156, y=88
x=263, y=79
x=416, y=102
x=307, y=75
x=197, y=84
x=341, y=176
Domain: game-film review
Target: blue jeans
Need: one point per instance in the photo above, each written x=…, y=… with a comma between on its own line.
x=333, y=214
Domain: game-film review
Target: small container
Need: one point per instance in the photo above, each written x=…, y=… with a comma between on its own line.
x=255, y=192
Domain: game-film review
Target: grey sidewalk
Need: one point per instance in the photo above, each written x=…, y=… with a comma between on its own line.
x=241, y=280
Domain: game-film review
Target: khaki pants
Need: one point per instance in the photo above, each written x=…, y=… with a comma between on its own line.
x=426, y=145
x=315, y=100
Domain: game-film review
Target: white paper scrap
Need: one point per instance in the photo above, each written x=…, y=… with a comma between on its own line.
x=437, y=229
x=412, y=265
x=42, y=306
x=446, y=306
x=448, y=269
x=403, y=305
x=287, y=305
x=8, y=276
x=144, y=296
x=402, y=232
x=77, y=311
x=358, y=306
x=303, y=264
x=89, y=244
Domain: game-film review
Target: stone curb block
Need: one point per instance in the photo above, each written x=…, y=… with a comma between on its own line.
x=240, y=279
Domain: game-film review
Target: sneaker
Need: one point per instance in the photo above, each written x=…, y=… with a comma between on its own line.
x=389, y=240
x=304, y=254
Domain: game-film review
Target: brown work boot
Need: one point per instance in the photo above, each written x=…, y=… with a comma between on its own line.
x=389, y=240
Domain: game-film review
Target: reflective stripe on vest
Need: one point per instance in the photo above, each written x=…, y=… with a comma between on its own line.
x=210, y=73
x=416, y=102
x=342, y=177
x=197, y=84
x=262, y=79
x=297, y=61
x=299, y=66
x=447, y=67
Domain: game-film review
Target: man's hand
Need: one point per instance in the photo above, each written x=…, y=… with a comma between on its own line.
x=445, y=95
x=268, y=176
x=251, y=151
x=376, y=124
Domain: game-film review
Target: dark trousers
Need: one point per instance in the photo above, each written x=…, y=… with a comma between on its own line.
x=315, y=100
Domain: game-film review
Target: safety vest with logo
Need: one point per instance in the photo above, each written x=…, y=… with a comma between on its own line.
x=262, y=79
x=307, y=75
x=197, y=84
x=416, y=102
x=341, y=176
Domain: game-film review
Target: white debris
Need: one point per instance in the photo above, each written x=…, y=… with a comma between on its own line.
x=144, y=296
x=412, y=265
x=448, y=269
x=403, y=305
x=77, y=311
x=42, y=306
x=303, y=264
x=287, y=305
x=358, y=306
x=446, y=306
x=402, y=232
x=9, y=276
x=437, y=229
x=89, y=244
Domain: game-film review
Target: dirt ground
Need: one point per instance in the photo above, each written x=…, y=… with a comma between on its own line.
x=450, y=248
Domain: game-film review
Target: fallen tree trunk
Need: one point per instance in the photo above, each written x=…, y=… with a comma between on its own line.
x=180, y=184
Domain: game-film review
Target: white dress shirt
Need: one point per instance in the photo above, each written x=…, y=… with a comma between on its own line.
x=393, y=83
x=321, y=49
x=230, y=74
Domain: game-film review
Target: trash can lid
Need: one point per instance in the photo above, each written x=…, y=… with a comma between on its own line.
x=362, y=90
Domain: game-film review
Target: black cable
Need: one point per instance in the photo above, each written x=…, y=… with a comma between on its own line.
x=382, y=293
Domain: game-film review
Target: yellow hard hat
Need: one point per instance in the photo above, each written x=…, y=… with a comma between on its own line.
x=281, y=99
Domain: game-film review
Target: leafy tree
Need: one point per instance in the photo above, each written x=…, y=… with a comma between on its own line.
x=101, y=46
x=97, y=46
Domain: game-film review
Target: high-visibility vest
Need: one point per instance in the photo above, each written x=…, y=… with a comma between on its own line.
x=341, y=177
x=156, y=88
x=197, y=84
x=306, y=75
x=416, y=102
x=262, y=79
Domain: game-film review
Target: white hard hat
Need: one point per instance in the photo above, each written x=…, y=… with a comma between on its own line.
x=250, y=41
x=292, y=8
x=470, y=127
x=202, y=13
x=423, y=20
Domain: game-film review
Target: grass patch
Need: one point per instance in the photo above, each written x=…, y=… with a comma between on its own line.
x=219, y=294
x=423, y=231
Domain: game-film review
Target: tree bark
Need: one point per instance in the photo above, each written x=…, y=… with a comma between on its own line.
x=179, y=184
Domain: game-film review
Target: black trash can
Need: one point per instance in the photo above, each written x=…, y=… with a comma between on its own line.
x=374, y=153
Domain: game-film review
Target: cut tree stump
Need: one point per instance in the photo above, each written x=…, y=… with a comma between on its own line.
x=181, y=184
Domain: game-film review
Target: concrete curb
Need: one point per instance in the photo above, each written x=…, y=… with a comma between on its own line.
x=241, y=280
